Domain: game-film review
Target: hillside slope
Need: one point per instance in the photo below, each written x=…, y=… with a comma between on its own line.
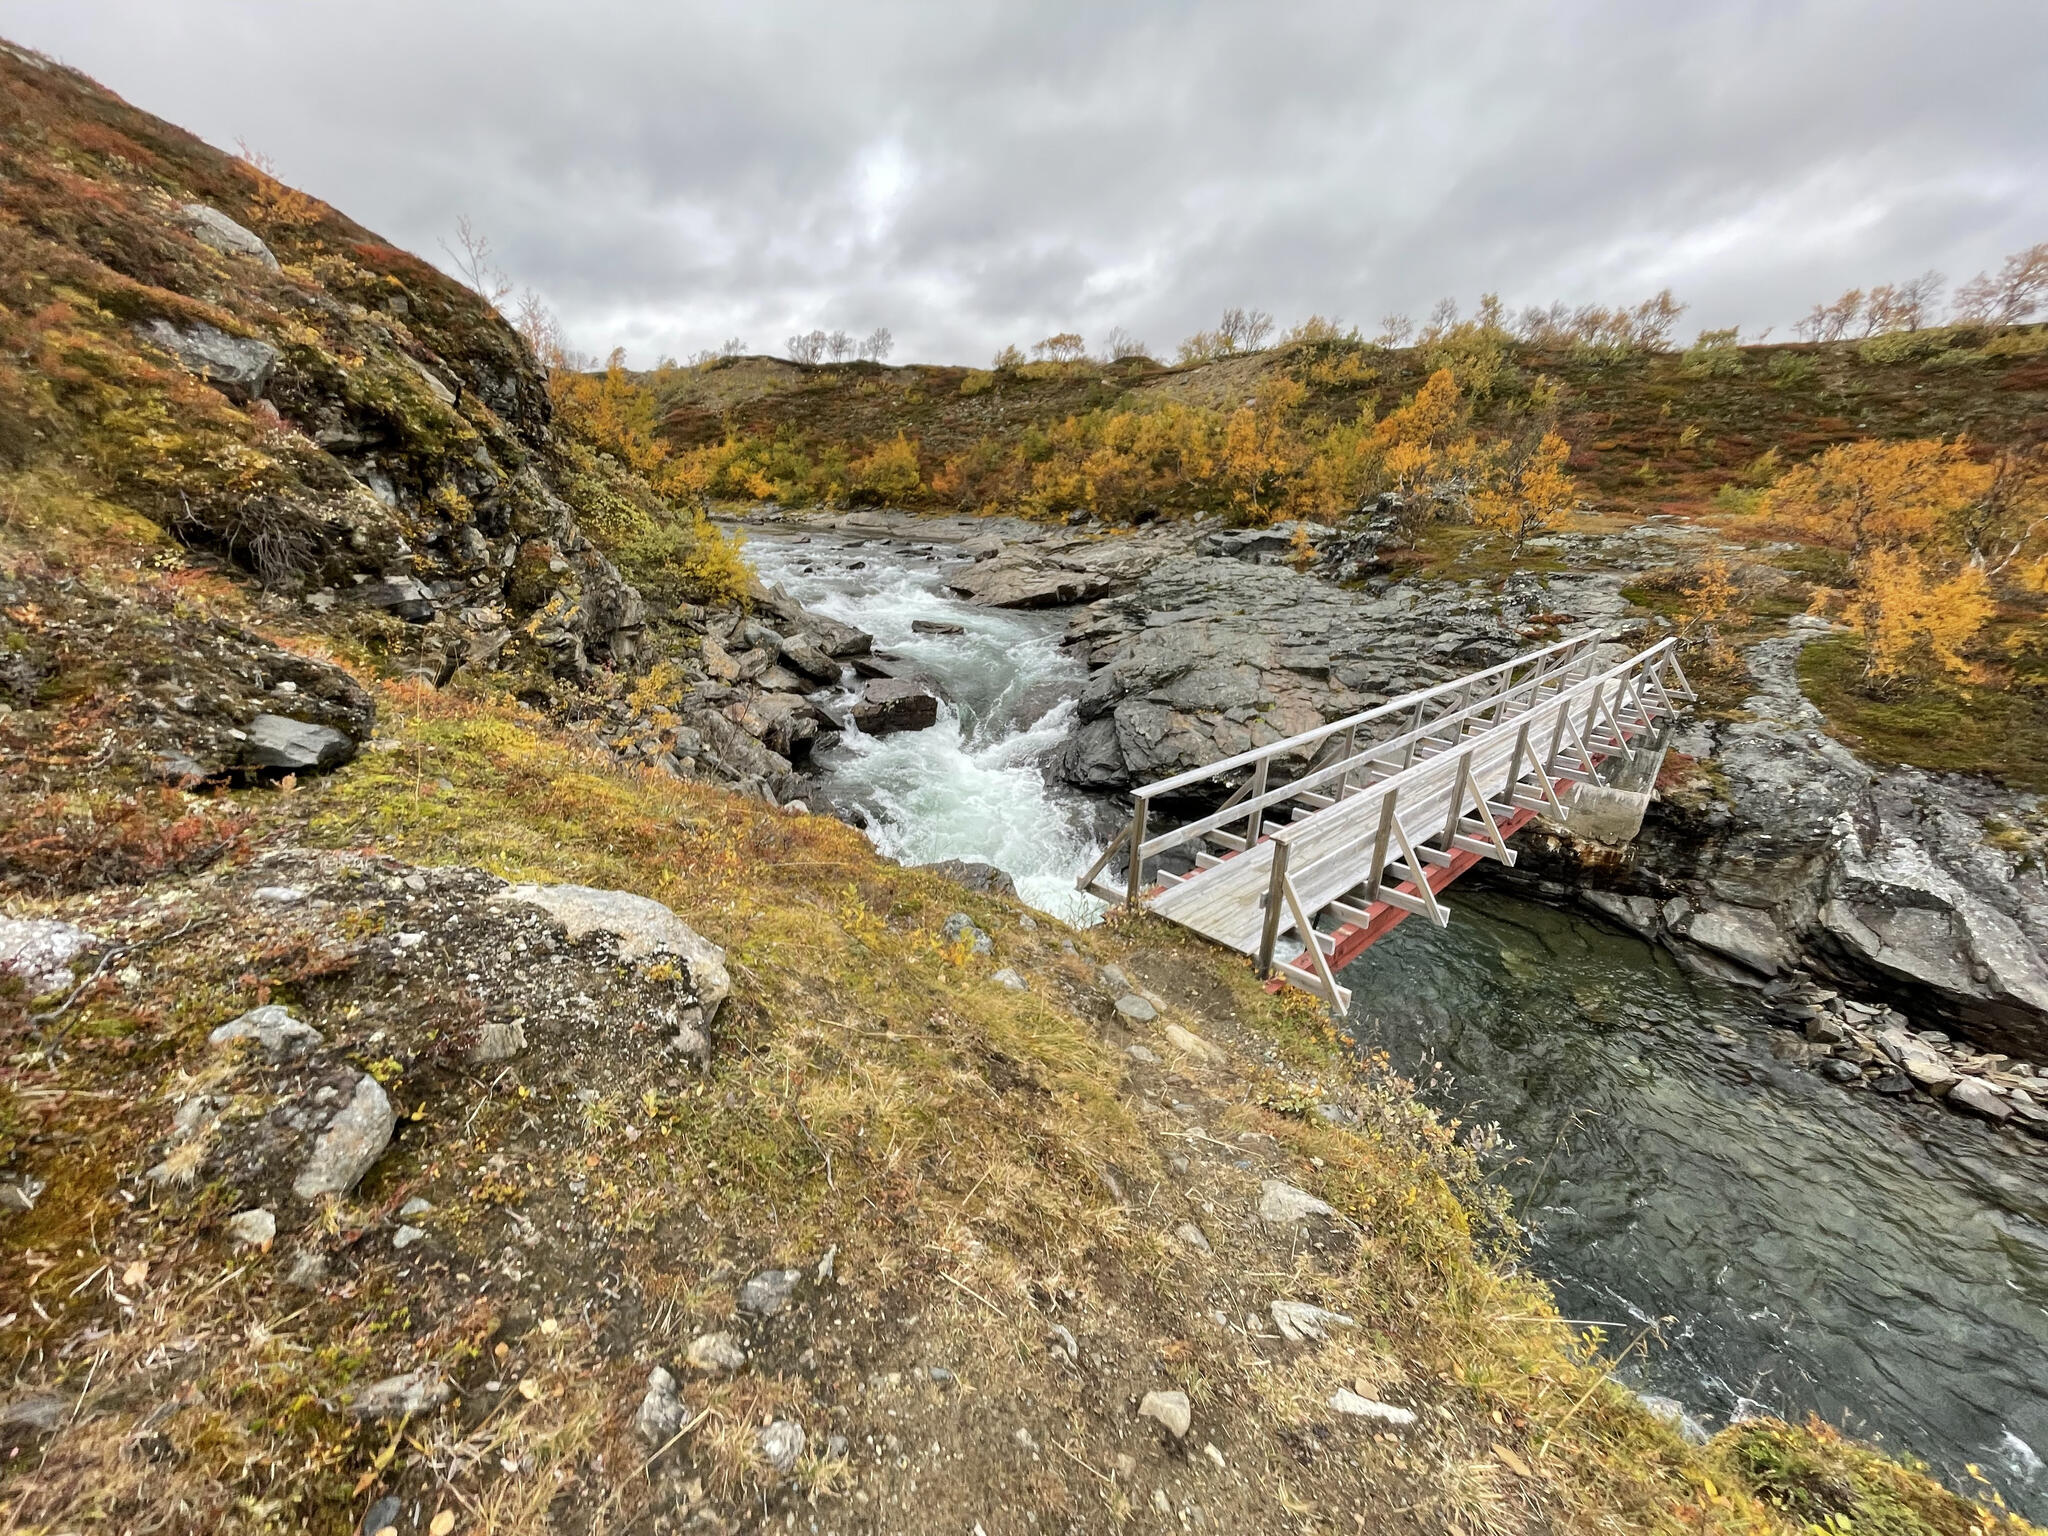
x=421, y=1112
x=1650, y=431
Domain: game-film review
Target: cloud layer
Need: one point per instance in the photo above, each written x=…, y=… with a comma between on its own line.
x=969, y=174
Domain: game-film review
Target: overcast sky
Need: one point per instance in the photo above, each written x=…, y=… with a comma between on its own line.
x=669, y=174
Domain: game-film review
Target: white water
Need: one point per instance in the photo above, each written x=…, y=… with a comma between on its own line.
x=974, y=785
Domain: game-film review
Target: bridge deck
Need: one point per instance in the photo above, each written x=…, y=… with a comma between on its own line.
x=1370, y=834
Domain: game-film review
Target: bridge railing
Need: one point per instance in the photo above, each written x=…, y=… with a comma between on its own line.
x=1414, y=717
x=1378, y=849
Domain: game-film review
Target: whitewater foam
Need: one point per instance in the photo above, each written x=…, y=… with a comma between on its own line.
x=974, y=785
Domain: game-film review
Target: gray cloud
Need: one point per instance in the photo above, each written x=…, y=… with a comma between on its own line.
x=971, y=174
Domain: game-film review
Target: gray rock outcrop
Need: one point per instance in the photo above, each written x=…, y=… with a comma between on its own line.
x=279, y=1035
x=238, y=366
x=975, y=875
x=1795, y=853
x=40, y=951
x=352, y=1142
x=209, y=226
x=281, y=743
x=643, y=928
x=1210, y=657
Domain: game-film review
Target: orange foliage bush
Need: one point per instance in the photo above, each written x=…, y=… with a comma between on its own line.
x=58, y=843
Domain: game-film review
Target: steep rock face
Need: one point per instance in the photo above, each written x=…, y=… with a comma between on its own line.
x=273, y=382
x=276, y=387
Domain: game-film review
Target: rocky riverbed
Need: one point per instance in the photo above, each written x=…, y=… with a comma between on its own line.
x=1773, y=853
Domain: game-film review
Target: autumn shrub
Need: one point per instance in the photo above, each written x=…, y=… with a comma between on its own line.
x=667, y=548
x=1905, y=346
x=1865, y=494
x=1912, y=619
x=1528, y=490
x=1475, y=354
x=1717, y=354
x=1790, y=370
x=890, y=471
x=59, y=843
x=2029, y=343
x=1926, y=527
x=1709, y=602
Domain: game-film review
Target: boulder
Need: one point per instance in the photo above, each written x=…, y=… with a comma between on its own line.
x=1980, y=1098
x=209, y=226
x=1344, y=1400
x=643, y=927
x=830, y=636
x=1919, y=1061
x=1263, y=546
x=253, y=1229
x=936, y=627
x=40, y=950
x=718, y=1353
x=768, y=1292
x=353, y=1141
x=1170, y=1410
x=280, y=743
x=1009, y=582
x=238, y=366
x=895, y=704
x=402, y=595
x=280, y=1036
x=781, y=1444
x=1281, y=1203
x=960, y=928
x=1300, y=1321
x=805, y=655
x=661, y=1415
x=414, y=1393
x=975, y=874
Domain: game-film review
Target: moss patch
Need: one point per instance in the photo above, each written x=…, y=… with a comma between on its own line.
x=1934, y=724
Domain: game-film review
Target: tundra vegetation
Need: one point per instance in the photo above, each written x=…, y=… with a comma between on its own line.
x=966, y=1200
x=1889, y=471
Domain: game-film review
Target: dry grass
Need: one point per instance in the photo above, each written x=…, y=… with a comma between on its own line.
x=983, y=1160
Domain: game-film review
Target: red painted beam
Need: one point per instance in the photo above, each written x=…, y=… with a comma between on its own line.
x=1354, y=939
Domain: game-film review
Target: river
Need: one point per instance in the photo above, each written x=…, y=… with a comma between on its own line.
x=1882, y=1263
x=973, y=786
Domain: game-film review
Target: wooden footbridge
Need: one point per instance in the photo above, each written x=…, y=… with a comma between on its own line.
x=1385, y=808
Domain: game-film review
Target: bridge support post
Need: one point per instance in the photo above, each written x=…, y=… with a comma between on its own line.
x=1276, y=897
x=1135, y=886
